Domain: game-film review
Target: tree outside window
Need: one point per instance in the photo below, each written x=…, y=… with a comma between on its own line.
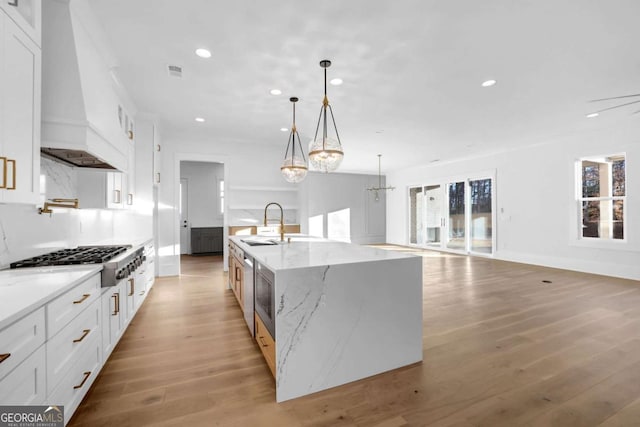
x=602, y=197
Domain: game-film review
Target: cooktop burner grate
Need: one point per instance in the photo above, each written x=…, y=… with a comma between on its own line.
x=79, y=255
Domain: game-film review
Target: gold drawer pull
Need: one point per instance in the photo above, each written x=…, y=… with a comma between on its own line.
x=142, y=292
x=132, y=282
x=264, y=344
x=85, y=332
x=84, y=380
x=84, y=297
x=4, y=172
x=116, y=304
x=13, y=169
x=4, y=357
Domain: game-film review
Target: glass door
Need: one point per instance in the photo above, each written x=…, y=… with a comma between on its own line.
x=481, y=226
x=434, y=221
x=456, y=216
x=416, y=216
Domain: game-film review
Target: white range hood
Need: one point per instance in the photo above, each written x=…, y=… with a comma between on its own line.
x=80, y=103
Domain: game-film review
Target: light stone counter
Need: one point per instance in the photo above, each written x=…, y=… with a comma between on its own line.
x=343, y=312
x=24, y=289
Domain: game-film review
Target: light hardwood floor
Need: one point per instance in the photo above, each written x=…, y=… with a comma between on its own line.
x=501, y=348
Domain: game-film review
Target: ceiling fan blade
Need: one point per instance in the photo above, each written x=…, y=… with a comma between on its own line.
x=614, y=97
x=616, y=106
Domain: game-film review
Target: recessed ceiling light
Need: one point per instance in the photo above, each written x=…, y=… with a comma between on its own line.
x=488, y=83
x=199, y=119
x=284, y=129
x=203, y=53
x=275, y=92
x=592, y=115
x=336, y=82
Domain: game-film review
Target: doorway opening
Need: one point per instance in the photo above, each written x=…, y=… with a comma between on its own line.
x=201, y=208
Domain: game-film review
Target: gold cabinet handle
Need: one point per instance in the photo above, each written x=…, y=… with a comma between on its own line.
x=116, y=304
x=130, y=199
x=81, y=300
x=4, y=357
x=4, y=172
x=132, y=283
x=158, y=177
x=142, y=292
x=116, y=196
x=264, y=344
x=13, y=174
x=84, y=380
x=85, y=332
x=130, y=134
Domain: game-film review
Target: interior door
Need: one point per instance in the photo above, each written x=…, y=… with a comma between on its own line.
x=185, y=226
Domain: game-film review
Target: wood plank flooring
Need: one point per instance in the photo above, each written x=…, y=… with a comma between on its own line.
x=501, y=348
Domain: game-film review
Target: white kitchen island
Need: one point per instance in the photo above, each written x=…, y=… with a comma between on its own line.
x=343, y=312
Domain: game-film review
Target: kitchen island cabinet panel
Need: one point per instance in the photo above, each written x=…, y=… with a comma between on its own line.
x=343, y=312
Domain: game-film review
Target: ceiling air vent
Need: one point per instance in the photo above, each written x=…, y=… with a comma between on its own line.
x=175, y=71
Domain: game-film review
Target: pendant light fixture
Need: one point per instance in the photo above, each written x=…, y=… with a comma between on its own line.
x=294, y=167
x=325, y=153
x=379, y=188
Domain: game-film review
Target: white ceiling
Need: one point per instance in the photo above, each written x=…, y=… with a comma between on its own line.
x=412, y=70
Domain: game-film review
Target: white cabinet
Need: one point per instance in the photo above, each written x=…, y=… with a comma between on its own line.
x=114, y=317
x=67, y=306
x=157, y=160
x=130, y=178
x=64, y=349
x=25, y=385
x=20, y=339
x=20, y=86
x=101, y=190
x=27, y=14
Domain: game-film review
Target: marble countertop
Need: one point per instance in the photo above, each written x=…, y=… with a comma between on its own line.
x=24, y=290
x=305, y=251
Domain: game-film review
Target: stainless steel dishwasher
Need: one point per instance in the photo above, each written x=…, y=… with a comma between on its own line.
x=248, y=293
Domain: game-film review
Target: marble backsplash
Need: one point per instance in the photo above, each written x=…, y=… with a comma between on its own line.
x=256, y=216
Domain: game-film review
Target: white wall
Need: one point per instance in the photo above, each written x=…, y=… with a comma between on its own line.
x=537, y=218
x=324, y=194
x=203, y=197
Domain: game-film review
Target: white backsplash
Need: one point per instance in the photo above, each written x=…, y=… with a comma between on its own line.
x=256, y=216
x=24, y=233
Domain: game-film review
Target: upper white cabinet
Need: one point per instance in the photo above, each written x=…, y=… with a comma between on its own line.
x=27, y=14
x=101, y=190
x=20, y=86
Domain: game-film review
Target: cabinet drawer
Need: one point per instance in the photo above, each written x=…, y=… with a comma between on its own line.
x=266, y=343
x=18, y=340
x=76, y=382
x=25, y=385
x=63, y=349
x=61, y=310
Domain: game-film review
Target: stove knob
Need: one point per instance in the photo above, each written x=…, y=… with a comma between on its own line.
x=121, y=274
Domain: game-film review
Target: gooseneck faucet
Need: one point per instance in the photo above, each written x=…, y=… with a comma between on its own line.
x=281, y=218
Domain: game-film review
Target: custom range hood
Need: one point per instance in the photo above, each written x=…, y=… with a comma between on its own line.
x=80, y=100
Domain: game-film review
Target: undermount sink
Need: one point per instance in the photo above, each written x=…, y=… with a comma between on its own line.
x=261, y=242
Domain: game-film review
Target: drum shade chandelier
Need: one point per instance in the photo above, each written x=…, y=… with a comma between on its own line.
x=379, y=188
x=294, y=167
x=325, y=153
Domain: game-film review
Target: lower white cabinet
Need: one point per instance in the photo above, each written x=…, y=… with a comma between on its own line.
x=25, y=385
x=52, y=355
x=75, y=384
x=20, y=340
x=64, y=348
x=114, y=317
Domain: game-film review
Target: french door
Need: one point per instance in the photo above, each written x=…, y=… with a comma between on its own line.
x=454, y=215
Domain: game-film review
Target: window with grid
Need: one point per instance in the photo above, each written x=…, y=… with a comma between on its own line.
x=602, y=197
